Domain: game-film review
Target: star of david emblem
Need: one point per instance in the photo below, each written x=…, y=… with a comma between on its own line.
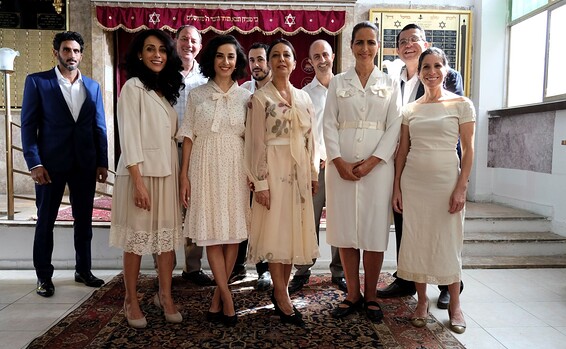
x=154, y=18
x=397, y=24
x=290, y=20
x=442, y=25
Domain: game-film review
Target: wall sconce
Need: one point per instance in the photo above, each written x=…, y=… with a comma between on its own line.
x=58, y=4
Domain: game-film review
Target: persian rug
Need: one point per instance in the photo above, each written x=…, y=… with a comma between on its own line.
x=100, y=323
x=100, y=213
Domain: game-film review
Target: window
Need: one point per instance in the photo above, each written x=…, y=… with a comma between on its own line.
x=536, y=50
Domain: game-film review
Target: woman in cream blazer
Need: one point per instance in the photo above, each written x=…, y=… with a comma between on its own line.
x=146, y=212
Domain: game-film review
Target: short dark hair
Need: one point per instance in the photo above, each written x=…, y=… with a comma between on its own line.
x=409, y=27
x=259, y=45
x=66, y=36
x=284, y=42
x=361, y=25
x=209, y=53
x=169, y=80
x=433, y=51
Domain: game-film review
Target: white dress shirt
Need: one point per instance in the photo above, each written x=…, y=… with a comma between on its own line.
x=318, y=92
x=409, y=91
x=250, y=85
x=193, y=79
x=74, y=93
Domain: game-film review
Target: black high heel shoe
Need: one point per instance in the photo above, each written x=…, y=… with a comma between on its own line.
x=230, y=321
x=296, y=318
x=214, y=316
x=275, y=305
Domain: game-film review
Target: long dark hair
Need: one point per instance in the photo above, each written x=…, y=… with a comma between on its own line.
x=169, y=80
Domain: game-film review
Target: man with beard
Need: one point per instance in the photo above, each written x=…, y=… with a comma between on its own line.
x=64, y=143
x=321, y=58
x=261, y=75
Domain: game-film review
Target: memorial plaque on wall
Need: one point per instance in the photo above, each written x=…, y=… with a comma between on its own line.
x=447, y=30
x=36, y=54
x=32, y=14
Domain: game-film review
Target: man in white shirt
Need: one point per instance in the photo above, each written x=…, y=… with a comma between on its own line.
x=189, y=43
x=321, y=58
x=64, y=143
x=261, y=75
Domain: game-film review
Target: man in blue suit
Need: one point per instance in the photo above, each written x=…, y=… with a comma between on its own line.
x=64, y=143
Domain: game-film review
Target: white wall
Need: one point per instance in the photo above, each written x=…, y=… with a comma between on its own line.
x=538, y=192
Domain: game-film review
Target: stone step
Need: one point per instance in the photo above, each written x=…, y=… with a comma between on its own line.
x=513, y=262
x=495, y=218
x=514, y=244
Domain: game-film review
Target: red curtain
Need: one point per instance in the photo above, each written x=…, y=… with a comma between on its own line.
x=221, y=21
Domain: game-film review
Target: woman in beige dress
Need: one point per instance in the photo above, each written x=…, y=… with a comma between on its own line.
x=430, y=187
x=280, y=158
x=146, y=212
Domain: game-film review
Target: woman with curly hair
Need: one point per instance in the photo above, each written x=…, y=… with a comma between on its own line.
x=146, y=215
x=212, y=167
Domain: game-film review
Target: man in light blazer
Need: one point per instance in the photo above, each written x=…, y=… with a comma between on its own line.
x=64, y=143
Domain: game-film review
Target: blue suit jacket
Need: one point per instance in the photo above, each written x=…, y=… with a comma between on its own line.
x=50, y=135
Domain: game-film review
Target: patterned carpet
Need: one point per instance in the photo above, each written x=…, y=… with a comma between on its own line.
x=100, y=322
x=100, y=213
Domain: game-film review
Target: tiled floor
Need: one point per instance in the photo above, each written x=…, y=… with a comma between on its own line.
x=510, y=308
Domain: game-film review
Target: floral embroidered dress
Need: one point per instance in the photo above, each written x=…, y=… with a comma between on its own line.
x=360, y=122
x=279, y=157
x=219, y=207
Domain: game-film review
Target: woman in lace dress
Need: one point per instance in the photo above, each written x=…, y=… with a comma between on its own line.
x=146, y=212
x=427, y=170
x=213, y=179
x=280, y=162
x=361, y=129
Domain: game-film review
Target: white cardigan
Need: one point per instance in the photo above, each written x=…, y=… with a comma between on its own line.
x=144, y=123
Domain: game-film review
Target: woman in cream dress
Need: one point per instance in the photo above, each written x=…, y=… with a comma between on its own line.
x=146, y=212
x=361, y=129
x=280, y=161
x=430, y=188
x=213, y=178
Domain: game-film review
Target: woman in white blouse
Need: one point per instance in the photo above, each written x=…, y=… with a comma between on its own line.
x=361, y=128
x=213, y=182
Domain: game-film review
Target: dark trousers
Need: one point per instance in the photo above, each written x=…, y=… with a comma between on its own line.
x=82, y=185
x=260, y=267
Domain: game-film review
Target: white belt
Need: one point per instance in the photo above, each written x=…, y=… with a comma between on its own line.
x=278, y=141
x=371, y=125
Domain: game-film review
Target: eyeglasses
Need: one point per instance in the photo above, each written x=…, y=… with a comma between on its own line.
x=411, y=39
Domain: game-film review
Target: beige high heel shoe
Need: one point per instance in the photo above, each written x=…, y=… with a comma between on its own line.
x=135, y=323
x=456, y=327
x=172, y=318
x=419, y=321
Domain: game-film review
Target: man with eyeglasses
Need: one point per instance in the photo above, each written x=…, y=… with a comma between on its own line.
x=411, y=42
